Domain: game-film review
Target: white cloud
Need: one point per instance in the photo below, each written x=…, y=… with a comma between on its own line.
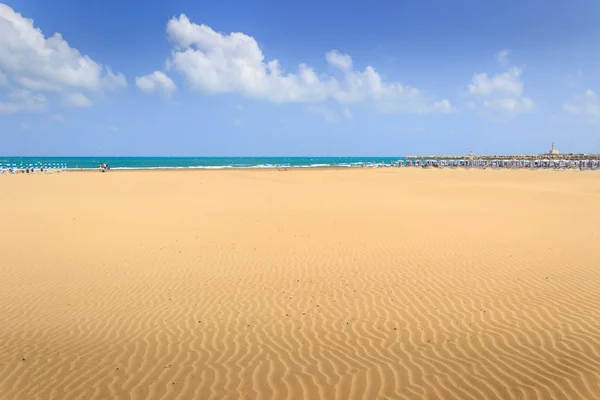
x=503, y=57
x=77, y=100
x=442, y=106
x=390, y=97
x=213, y=62
x=156, y=82
x=21, y=100
x=238, y=122
x=239, y=107
x=3, y=79
x=503, y=92
x=347, y=113
x=325, y=112
x=114, y=129
x=338, y=60
x=33, y=62
x=507, y=83
x=585, y=104
x=521, y=105
x=112, y=81
x=24, y=126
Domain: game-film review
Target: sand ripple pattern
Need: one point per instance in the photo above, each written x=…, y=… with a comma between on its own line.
x=366, y=284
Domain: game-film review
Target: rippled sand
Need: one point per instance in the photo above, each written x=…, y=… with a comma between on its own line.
x=346, y=284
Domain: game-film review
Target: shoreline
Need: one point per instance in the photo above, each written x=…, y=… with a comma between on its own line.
x=299, y=169
x=298, y=163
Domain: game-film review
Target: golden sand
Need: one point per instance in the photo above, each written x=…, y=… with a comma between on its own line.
x=340, y=284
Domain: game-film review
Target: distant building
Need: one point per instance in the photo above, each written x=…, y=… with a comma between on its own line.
x=554, y=150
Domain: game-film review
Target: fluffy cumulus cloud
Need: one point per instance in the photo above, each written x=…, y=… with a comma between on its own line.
x=78, y=100
x=338, y=60
x=213, y=62
x=155, y=82
x=22, y=100
x=503, y=92
x=585, y=104
x=30, y=61
x=505, y=84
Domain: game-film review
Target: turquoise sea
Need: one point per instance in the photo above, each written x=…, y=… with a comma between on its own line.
x=201, y=162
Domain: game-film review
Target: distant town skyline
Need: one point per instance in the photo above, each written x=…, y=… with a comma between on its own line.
x=233, y=78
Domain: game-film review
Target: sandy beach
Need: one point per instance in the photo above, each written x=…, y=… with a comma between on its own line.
x=329, y=284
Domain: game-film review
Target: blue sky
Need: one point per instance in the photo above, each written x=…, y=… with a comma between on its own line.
x=197, y=78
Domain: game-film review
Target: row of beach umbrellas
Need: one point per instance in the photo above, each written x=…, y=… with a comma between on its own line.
x=478, y=163
x=31, y=167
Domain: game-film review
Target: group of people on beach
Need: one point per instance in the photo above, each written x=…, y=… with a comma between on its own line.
x=103, y=167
